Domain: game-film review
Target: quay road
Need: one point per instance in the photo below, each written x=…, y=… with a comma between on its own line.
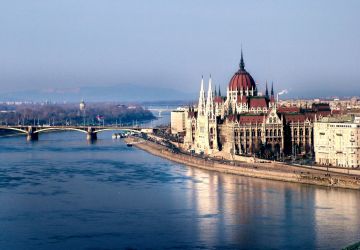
x=32, y=132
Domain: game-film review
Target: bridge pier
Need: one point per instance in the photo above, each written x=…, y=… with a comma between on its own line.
x=31, y=135
x=91, y=136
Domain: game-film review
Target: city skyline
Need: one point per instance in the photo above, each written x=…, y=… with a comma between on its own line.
x=66, y=45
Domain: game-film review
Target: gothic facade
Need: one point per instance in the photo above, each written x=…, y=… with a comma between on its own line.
x=245, y=122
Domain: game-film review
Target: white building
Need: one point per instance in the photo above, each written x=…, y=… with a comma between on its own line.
x=337, y=141
x=177, y=118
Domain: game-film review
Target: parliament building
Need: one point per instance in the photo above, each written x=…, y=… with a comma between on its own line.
x=247, y=123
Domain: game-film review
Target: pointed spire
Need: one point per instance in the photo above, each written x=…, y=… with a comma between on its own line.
x=219, y=91
x=272, y=97
x=267, y=91
x=210, y=89
x=242, y=64
x=201, y=104
x=215, y=92
x=210, y=101
x=202, y=83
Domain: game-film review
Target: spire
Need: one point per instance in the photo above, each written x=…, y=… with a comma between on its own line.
x=272, y=97
x=202, y=83
x=242, y=64
x=215, y=93
x=210, y=101
x=201, y=104
x=219, y=91
x=266, y=91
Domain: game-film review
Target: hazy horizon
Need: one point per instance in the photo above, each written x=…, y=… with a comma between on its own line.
x=310, y=48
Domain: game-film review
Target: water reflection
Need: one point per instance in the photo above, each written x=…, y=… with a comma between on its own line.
x=253, y=213
x=61, y=192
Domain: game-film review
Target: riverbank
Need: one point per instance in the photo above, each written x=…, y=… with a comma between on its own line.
x=272, y=171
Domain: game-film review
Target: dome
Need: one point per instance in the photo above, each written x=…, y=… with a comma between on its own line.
x=82, y=105
x=242, y=79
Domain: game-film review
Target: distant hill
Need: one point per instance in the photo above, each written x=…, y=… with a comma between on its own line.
x=118, y=93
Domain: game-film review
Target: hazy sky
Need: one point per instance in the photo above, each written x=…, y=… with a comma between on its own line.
x=304, y=46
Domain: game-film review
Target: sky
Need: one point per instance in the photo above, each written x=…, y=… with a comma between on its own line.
x=310, y=48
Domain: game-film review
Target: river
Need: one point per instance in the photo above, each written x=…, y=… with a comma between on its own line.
x=62, y=192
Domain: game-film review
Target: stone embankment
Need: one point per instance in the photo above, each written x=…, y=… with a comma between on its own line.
x=271, y=171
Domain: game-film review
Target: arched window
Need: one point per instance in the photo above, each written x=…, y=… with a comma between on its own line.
x=266, y=132
x=271, y=132
x=253, y=132
x=247, y=132
x=274, y=132
x=259, y=132
x=279, y=132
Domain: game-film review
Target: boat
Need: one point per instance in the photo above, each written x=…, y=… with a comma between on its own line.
x=129, y=145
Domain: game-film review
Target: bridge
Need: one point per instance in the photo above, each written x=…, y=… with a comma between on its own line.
x=32, y=132
x=159, y=110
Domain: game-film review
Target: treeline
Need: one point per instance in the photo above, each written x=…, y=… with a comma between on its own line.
x=70, y=114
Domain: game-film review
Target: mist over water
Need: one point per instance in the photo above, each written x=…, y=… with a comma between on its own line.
x=63, y=193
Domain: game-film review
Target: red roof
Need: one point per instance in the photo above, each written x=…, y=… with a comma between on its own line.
x=338, y=112
x=218, y=99
x=288, y=109
x=258, y=102
x=251, y=119
x=323, y=113
x=299, y=117
x=241, y=99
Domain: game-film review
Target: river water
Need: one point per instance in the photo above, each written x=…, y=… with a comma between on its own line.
x=63, y=193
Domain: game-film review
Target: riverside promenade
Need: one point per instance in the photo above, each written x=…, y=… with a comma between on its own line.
x=272, y=171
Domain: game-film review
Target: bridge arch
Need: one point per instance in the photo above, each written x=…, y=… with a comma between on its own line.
x=61, y=129
x=14, y=129
x=118, y=129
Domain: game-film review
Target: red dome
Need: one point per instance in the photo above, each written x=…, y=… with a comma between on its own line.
x=241, y=81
